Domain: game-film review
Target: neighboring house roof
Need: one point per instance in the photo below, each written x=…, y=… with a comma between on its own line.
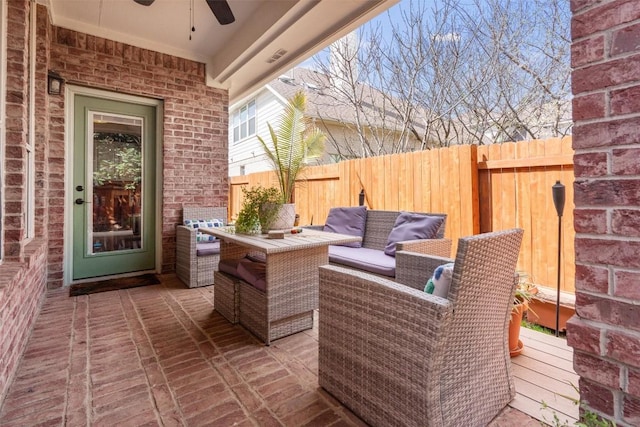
x=329, y=102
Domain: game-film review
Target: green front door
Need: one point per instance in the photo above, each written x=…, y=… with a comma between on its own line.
x=113, y=187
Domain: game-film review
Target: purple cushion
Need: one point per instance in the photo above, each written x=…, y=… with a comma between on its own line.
x=412, y=226
x=256, y=256
x=371, y=260
x=347, y=220
x=254, y=273
x=229, y=266
x=207, y=248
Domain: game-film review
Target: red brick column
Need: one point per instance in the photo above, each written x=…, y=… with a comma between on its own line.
x=605, y=334
x=17, y=106
x=23, y=268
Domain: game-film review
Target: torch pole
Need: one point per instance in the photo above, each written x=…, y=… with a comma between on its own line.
x=559, y=263
x=558, y=201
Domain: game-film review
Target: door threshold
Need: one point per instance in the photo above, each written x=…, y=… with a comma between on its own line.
x=115, y=276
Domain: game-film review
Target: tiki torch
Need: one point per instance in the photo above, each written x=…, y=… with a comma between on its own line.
x=558, y=201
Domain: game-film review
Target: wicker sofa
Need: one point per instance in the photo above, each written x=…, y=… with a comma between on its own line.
x=196, y=262
x=397, y=356
x=371, y=257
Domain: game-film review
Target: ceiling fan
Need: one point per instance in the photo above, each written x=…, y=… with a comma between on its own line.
x=220, y=9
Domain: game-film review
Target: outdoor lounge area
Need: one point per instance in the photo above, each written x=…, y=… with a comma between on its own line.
x=160, y=355
x=72, y=78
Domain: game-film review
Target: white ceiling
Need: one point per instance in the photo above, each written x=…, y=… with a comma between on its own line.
x=235, y=55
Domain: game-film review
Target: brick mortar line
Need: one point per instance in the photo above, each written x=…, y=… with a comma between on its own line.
x=72, y=352
x=140, y=321
x=23, y=361
x=223, y=356
x=72, y=335
x=87, y=369
x=121, y=314
x=322, y=395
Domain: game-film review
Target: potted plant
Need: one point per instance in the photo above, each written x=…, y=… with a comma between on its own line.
x=524, y=293
x=293, y=142
x=259, y=209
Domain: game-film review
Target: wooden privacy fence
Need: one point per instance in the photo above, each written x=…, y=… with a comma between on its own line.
x=480, y=188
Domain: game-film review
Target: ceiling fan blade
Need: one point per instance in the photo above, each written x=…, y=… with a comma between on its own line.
x=144, y=2
x=222, y=11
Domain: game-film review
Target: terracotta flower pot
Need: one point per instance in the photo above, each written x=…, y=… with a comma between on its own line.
x=543, y=313
x=515, y=345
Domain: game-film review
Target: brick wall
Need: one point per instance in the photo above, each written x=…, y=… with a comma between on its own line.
x=194, y=164
x=194, y=147
x=41, y=191
x=17, y=109
x=22, y=291
x=23, y=269
x=605, y=334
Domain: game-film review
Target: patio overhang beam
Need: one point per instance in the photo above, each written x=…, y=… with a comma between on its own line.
x=305, y=29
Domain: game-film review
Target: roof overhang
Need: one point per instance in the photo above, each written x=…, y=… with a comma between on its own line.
x=267, y=37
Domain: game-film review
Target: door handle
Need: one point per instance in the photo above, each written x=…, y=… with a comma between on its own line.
x=79, y=201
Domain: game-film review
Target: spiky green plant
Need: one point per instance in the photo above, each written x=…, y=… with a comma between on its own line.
x=295, y=140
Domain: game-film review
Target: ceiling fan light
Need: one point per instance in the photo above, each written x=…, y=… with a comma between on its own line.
x=144, y=2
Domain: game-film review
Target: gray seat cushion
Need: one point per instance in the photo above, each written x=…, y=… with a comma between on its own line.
x=208, y=248
x=371, y=260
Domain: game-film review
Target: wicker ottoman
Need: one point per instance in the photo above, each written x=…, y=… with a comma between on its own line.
x=270, y=320
x=226, y=296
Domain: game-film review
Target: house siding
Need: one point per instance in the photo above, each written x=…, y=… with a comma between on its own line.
x=340, y=140
x=248, y=152
x=605, y=333
x=343, y=136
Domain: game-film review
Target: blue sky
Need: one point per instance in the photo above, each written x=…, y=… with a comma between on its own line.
x=383, y=19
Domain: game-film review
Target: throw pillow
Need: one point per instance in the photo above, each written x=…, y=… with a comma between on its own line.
x=412, y=226
x=201, y=237
x=440, y=282
x=347, y=220
x=203, y=223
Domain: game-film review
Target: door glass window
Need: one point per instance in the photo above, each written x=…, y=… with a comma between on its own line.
x=115, y=168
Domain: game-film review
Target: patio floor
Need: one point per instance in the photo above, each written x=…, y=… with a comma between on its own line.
x=160, y=355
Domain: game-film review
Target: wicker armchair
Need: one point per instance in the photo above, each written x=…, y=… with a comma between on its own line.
x=397, y=356
x=195, y=270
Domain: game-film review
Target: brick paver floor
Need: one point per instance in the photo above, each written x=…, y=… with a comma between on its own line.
x=160, y=355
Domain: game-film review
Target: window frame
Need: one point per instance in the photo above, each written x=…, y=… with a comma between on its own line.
x=237, y=121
